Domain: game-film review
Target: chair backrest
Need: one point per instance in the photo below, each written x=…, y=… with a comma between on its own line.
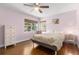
x=70, y=37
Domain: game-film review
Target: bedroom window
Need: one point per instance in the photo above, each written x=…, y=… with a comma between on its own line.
x=29, y=25
x=43, y=26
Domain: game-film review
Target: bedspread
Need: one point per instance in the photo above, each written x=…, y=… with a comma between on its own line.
x=55, y=39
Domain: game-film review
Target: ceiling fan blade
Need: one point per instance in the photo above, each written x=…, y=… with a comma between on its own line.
x=44, y=6
x=40, y=11
x=37, y=4
x=29, y=5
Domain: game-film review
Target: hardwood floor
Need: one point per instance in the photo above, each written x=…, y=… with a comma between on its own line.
x=69, y=49
x=26, y=48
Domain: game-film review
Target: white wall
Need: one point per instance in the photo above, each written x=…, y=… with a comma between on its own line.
x=67, y=22
x=9, y=16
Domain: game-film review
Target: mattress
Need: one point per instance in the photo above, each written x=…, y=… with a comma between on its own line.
x=51, y=39
x=44, y=38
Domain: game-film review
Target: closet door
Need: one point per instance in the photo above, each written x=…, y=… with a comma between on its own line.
x=10, y=35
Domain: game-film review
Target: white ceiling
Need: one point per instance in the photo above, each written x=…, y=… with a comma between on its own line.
x=53, y=8
x=29, y=10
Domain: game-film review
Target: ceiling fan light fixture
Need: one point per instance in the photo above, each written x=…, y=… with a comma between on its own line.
x=36, y=8
x=37, y=3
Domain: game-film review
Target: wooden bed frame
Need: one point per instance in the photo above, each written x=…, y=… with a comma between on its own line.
x=53, y=48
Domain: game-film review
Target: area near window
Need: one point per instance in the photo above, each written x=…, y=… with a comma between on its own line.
x=43, y=26
x=30, y=25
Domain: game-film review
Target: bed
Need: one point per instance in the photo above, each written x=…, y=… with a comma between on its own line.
x=52, y=41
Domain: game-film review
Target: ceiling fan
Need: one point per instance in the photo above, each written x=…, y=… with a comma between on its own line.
x=37, y=6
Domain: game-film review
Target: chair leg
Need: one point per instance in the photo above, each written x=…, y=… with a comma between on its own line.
x=5, y=47
x=15, y=44
x=33, y=44
x=55, y=52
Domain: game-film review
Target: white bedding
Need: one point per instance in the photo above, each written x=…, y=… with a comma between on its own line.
x=51, y=39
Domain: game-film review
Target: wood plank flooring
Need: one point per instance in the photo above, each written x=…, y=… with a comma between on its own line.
x=26, y=48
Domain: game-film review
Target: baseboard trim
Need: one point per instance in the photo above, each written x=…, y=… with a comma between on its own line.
x=22, y=40
x=16, y=42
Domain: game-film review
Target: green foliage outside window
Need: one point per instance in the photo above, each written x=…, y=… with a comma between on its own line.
x=29, y=26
